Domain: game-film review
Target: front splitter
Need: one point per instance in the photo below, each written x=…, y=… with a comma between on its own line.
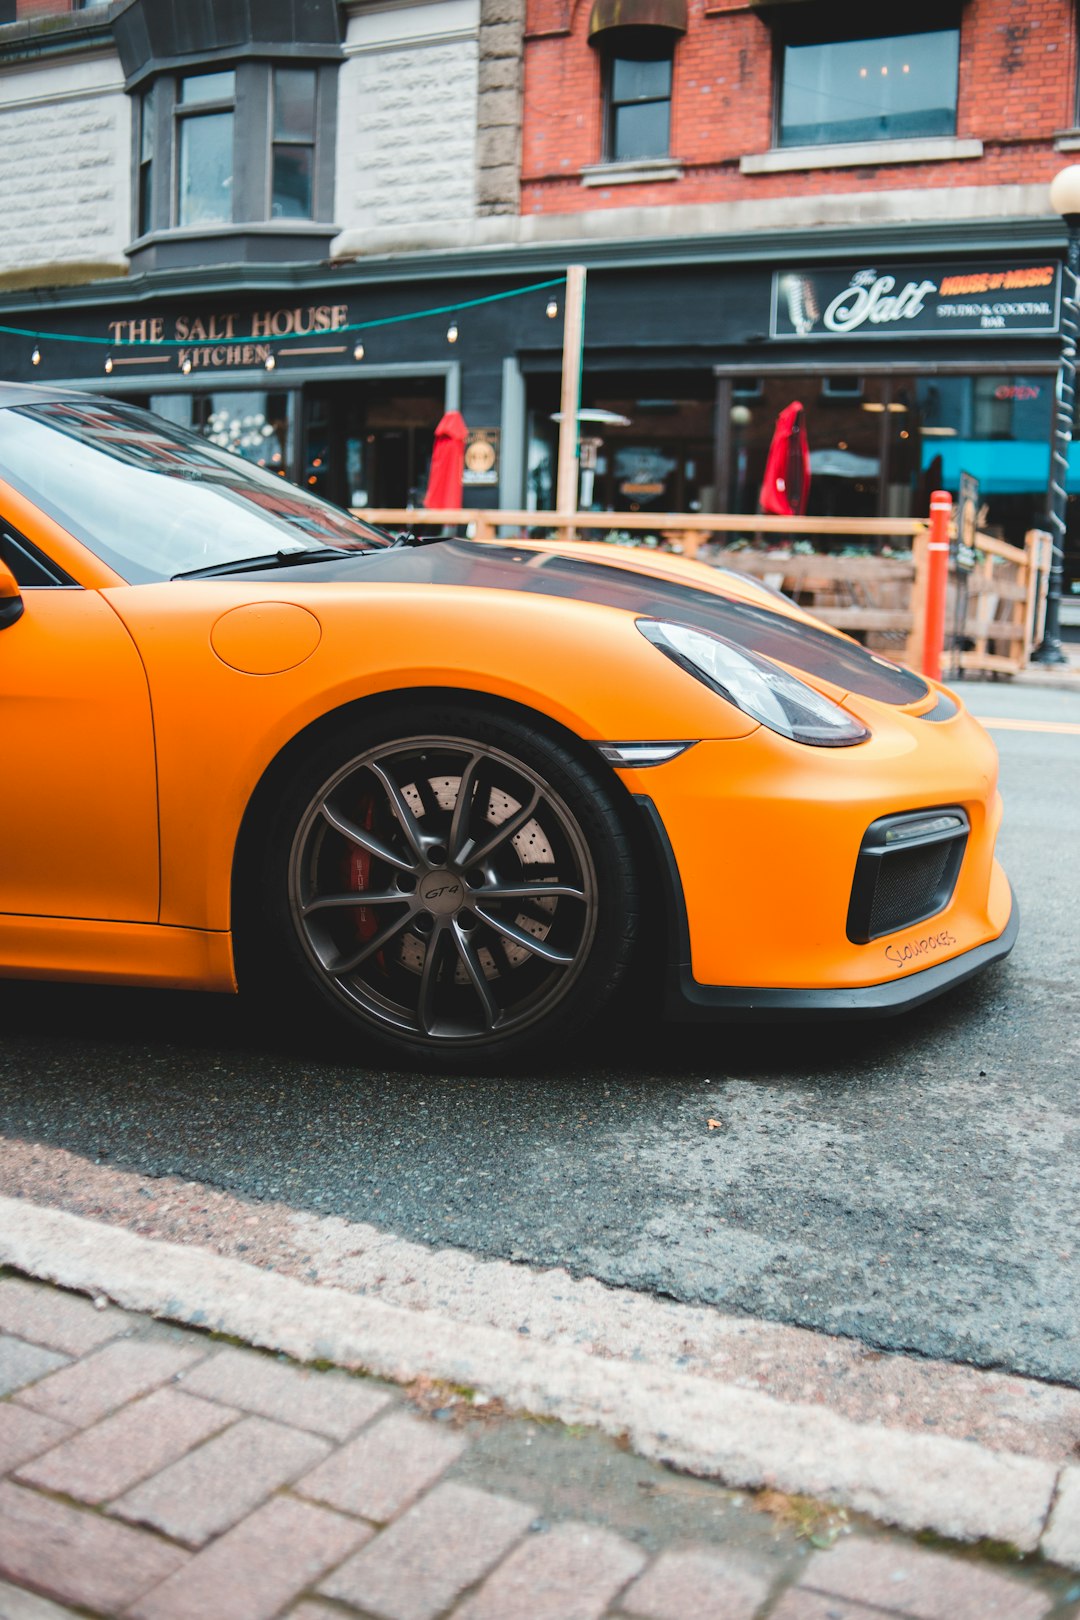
x=688, y=1000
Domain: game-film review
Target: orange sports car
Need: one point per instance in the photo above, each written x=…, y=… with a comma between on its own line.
x=452, y=792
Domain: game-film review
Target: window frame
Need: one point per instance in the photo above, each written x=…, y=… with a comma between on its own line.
x=16, y=549
x=144, y=161
x=789, y=31
x=608, y=44
x=273, y=141
x=185, y=113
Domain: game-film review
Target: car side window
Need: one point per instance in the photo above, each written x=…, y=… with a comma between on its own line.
x=30, y=566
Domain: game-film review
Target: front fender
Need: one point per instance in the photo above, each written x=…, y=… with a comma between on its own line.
x=218, y=729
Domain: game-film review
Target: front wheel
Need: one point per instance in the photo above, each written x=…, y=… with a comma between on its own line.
x=466, y=888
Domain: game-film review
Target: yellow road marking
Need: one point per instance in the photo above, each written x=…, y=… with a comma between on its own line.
x=1066, y=728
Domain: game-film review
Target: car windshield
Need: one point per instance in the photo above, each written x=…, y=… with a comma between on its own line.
x=153, y=500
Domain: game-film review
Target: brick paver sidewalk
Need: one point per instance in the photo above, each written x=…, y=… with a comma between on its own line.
x=157, y=1473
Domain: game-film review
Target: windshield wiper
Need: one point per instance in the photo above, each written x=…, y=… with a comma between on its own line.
x=276, y=559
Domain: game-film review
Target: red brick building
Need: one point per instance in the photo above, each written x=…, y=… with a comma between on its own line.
x=992, y=83
x=845, y=206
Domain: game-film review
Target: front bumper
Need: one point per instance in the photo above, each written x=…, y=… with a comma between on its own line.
x=688, y=1001
x=757, y=842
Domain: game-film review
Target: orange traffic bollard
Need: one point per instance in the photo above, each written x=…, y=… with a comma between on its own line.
x=937, y=579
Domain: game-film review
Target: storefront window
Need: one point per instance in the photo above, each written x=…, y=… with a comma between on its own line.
x=653, y=451
x=256, y=424
x=205, y=117
x=880, y=444
x=862, y=436
x=836, y=88
x=997, y=428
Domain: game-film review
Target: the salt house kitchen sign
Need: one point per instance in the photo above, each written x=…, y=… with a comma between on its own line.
x=885, y=300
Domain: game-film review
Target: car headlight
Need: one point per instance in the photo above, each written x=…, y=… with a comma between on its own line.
x=757, y=687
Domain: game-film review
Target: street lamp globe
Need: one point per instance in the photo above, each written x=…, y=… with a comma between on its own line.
x=1065, y=191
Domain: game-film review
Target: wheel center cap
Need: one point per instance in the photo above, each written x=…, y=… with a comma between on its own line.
x=442, y=892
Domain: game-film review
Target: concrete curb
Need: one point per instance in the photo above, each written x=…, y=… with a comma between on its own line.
x=954, y=1487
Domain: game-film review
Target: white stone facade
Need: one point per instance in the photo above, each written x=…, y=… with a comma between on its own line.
x=65, y=164
x=407, y=97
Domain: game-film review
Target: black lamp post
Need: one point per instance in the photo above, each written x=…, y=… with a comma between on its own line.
x=1065, y=198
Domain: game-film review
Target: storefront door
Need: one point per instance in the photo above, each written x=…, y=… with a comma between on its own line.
x=368, y=443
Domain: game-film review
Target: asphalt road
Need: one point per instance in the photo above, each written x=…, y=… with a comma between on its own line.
x=915, y=1183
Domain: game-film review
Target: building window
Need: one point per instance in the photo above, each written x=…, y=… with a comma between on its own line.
x=637, y=86
x=237, y=144
x=895, y=86
x=293, y=156
x=145, y=199
x=205, y=116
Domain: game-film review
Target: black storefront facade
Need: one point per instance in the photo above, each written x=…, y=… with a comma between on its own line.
x=914, y=359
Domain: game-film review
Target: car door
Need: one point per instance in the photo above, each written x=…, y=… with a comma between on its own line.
x=78, y=805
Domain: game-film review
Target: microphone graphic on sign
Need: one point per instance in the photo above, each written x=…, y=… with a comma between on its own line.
x=802, y=305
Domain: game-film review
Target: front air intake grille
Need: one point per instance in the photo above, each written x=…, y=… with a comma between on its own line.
x=906, y=871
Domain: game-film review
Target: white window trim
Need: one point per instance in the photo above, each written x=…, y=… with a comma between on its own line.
x=636, y=171
x=861, y=154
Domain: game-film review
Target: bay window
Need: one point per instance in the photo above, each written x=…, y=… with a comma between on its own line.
x=233, y=139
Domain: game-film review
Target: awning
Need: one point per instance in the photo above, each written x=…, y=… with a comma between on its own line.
x=607, y=14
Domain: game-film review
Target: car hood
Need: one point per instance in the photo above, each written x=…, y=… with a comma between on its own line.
x=813, y=650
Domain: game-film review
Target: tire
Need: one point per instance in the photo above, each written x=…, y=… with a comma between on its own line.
x=456, y=886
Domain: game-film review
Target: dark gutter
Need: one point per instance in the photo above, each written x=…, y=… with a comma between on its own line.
x=73, y=33
x=764, y=248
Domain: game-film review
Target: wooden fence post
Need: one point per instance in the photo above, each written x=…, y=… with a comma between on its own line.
x=913, y=653
x=1039, y=547
x=566, y=496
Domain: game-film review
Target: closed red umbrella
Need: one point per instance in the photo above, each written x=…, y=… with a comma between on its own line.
x=785, y=487
x=447, y=462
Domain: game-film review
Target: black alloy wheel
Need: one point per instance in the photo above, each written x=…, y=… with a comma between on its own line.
x=465, y=889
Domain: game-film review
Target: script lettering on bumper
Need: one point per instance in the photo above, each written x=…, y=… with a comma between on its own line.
x=901, y=956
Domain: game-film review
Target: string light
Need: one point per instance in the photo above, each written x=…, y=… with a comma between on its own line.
x=192, y=345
